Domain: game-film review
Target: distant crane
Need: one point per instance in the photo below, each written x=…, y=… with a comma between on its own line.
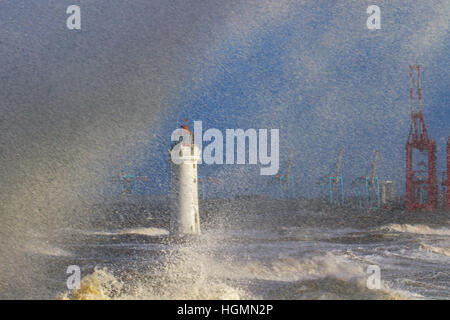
x=128, y=182
x=368, y=187
x=335, y=182
x=203, y=181
x=446, y=177
x=448, y=173
x=421, y=189
x=444, y=189
x=285, y=182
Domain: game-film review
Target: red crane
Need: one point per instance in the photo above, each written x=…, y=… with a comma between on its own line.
x=421, y=185
x=448, y=173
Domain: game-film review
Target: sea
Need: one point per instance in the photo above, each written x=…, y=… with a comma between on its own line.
x=250, y=248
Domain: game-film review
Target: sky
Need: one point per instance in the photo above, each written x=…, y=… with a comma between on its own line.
x=79, y=106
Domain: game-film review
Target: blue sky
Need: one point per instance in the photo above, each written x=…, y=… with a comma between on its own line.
x=79, y=106
x=350, y=91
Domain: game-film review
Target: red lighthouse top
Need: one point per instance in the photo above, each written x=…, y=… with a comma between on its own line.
x=185, y=126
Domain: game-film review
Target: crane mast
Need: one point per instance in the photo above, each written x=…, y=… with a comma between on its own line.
x=339, y=163
x=374, y=165
x=448, y=174
x=421, y=191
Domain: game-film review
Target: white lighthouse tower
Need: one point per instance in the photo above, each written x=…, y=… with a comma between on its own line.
x=184, y=156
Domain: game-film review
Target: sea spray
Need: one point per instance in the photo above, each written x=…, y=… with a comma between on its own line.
x=190, y=270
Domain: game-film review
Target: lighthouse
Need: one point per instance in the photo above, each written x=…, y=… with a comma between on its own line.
x=184, y=156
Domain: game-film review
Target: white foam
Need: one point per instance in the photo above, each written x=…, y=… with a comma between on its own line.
x=46, y=249
x=151, y=232
x=438, y=250
x=417, y=229
x=291, y=269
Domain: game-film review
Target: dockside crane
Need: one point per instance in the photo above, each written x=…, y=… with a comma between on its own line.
x=448, y=173
x=285, y=182
x=446, y=179
x=421, y=182
x=203, y=182
x=368, y=186
x=334, y=182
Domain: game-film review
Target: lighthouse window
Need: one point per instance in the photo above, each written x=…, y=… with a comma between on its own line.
x=193, y=165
